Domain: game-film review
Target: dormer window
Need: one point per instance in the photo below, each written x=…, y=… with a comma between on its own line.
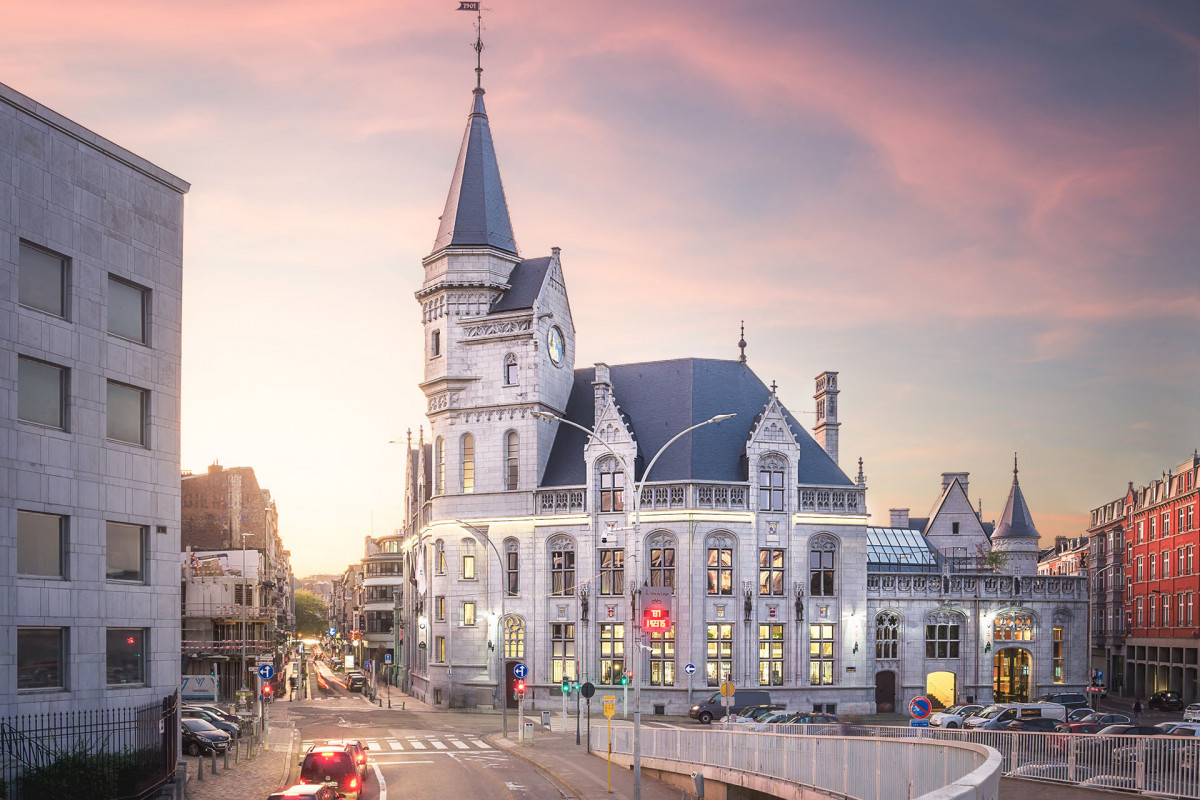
x=510, y=370
x=612, y=485
x=435, y=344
x=770, y=484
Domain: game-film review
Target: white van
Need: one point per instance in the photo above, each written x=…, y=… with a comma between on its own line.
x=995, y=717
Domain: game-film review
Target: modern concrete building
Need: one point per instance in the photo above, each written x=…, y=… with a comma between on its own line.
x=90, y=296
x=551, y=503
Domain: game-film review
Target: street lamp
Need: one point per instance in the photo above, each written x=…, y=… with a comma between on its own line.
x=395, y=643
x=637, y=521
x=245, y=587
x=501, y=672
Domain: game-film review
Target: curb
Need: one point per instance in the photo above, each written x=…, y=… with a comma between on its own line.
x=491, y=738
x=290, y=760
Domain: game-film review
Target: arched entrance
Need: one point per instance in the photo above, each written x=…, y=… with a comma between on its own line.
x=1010, y=675
x=885, y=692
x=941, y=688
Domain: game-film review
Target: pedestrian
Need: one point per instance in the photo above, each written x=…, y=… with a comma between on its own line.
x=1137, y=711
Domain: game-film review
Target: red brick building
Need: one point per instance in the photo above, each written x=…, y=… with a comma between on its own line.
x=1162, y=584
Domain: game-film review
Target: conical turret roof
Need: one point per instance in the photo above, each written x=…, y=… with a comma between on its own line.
x=1016, y=522
x=476, y=212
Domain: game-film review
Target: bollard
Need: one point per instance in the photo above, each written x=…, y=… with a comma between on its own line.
x=402, y=702
x=381, y=702
x=237, y=752
x=226, y=758
x=200, y=768
x=214, y=762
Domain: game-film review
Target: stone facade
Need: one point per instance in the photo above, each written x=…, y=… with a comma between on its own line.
x=111, y=224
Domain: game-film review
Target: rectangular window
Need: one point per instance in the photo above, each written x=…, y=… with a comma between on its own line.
x=821, y=572
x=243, y=595
x=720, y=570
x=124, y=552
x=1057, y=655
x=1166, y=523
x=1179, y=528
x=612, y=572
x=612, y=491
x=41, y=393
x=1141, y=532
x=41, y=542
x=40, y=658
x=770, y=655
x=435, y=344
x=1153, y=526
x=1153, y=564
x=770, y=572
x=43, y=281
x=468, y=568
x=770, y=490
x=612, y=653
x=1141, y=572
x=126, y=310
x=439, y=608
x=662, y=658
x=439, y=649
x=1190, y=522
x=1140, y=618
x=562, y=573
x=1182, y=562
x=1189, y=609
x=820, y=654
x=1166, y=604
x=126, y=659
x=662, y=567
x=1153, y=613
x=941, y=641
x=718, y=665
x=513, y=573
x=126, y=413
x=562, y=651
x=1189, y=559
x=1180, y=612
x=468, y=463
x=468, y=612
x=1166, y=563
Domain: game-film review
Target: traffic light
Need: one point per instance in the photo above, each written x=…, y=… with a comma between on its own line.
x=520, y=689
x=266, y=690
x=566, y=686
x=624, y=678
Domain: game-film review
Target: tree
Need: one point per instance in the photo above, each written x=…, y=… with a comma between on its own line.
x=311, y=614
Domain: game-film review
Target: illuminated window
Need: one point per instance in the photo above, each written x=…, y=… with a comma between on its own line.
x=662, y=658
x=770, y=655
x=612, y=652
x=562, y=651
x=1057, y=655
x=468, y=612
x=612, y=572
x=820, y=654
x=770, y=572
x=720, y=570
x=1013, y=627
x=468, y=463
x=718, y=665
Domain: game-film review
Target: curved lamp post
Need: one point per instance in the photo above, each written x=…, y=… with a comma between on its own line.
x=501, y=675
x=637, y=519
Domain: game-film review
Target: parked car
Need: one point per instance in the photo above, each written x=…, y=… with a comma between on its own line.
x=1039, y=724
x=1098, y=688
x=711, y=708
x=754, y=713
x=220, y=723
x=327, y=764
x=199, y=738
x=1130, y=730
x=355, y=682
x=1166, y=701
x=995, y=717
x=220, y=712
x=1069, y=700
x=1105, y=719
x=811, y=718
x=1192, y=713
x=1052, y=771
x=954, y=716
x=1078, y=727
x=1079, y=714
x=353, y=746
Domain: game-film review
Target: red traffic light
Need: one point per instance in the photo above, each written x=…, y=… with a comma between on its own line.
x=267, y=688
x=520, y=687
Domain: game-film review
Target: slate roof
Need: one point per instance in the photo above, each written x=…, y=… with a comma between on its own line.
x=1016, y=522
x=661, y=398
x=476, y=212
x=524, y=283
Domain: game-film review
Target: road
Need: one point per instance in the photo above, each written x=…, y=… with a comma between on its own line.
x=416, y=754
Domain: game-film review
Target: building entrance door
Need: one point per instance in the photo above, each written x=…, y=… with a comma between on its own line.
x=1010, y=675
x=885, y=692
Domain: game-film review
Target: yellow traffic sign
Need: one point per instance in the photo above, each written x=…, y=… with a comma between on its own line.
x=726, y=689
x=610, y=705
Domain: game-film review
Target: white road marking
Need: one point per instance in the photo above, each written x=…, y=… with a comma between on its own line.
x=416, y=745
x=395, y=745
x=382, y=782
x=438, y=743
x=373, y=745
x=481, y=744
x=460, y=745
x=513, y=787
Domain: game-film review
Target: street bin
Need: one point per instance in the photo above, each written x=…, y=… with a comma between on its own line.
x=527, y=733
x=546, y=720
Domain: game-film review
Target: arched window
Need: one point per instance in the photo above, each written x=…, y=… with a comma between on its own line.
x=662, y=560
x=822, y=566
x=512, y=461
x=612, y=484
x=512, y=568
x=720, y=565
x=514, y=637
x=887, y=634
x=771, y=469
x=439, y=557
x=562, y=566
x=439, y=466
x=468, y=463
x=1013, y=626
x=510, y=370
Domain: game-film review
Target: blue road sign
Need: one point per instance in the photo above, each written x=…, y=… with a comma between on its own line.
x=367, y=665
x=690, y=669
x=333, y=631
x=919, y=707
x=266, y=672
x=918, y=723
x=520, y=671
x=387, y=658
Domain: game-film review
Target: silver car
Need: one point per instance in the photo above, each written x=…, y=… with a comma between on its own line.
x=954, y=716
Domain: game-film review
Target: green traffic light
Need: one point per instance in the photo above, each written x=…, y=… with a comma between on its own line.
x=624, y=680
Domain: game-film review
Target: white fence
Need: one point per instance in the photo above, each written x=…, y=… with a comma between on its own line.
x=850, y=766
x=1168, y=765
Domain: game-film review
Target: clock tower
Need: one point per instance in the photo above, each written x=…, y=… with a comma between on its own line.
x=498, y=337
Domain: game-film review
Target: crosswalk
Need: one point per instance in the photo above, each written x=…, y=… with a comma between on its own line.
x=428, y=744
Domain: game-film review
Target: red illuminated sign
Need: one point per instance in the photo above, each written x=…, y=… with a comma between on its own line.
x=656, y=620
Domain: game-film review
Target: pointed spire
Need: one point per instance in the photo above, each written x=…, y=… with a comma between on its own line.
x=1016, y=522
x=861, y=480
x=742, y=343
x=476, y=213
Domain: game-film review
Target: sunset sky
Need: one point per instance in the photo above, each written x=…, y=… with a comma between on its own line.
x=985, y=215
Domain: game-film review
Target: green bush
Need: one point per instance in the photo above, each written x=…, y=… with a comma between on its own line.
x=82, y=773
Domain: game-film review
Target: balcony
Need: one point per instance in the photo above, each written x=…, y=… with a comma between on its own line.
x=231, y=648
x=714, y=496
x=229, y=611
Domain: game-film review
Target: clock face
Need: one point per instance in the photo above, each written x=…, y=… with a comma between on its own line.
x=554, y=343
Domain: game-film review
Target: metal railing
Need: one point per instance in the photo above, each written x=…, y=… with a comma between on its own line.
x=1158, y=764
x=849, y=766
x=121, y=753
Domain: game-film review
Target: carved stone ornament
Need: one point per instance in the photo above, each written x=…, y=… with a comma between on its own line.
x=1061, y=616
x=773, y=461
x=488, y=330
x=946, y=617
x=611, y=610
x=561, y=542
x=823, y=542
x=721, y=611
x=721, y=540
x=562, y=612
x=660, y=540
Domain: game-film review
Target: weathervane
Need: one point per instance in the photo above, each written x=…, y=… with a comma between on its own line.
x=473, y=5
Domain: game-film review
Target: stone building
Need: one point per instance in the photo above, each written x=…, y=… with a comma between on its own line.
x=550, y=500
x=91, y=240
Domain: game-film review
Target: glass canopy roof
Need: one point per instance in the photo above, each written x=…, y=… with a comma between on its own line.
x=899, y=550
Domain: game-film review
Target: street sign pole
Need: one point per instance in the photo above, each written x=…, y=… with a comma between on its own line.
x=610, y=708
x=577, y=718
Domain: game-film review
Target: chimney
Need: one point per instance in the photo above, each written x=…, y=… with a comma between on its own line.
x=950, y=477
x=1060, y=544
x=826, y=432
x=899, y=517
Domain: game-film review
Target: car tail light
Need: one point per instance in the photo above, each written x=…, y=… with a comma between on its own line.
x=353, y=782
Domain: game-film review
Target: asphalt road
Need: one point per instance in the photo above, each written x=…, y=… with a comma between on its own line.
x=416, y=754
